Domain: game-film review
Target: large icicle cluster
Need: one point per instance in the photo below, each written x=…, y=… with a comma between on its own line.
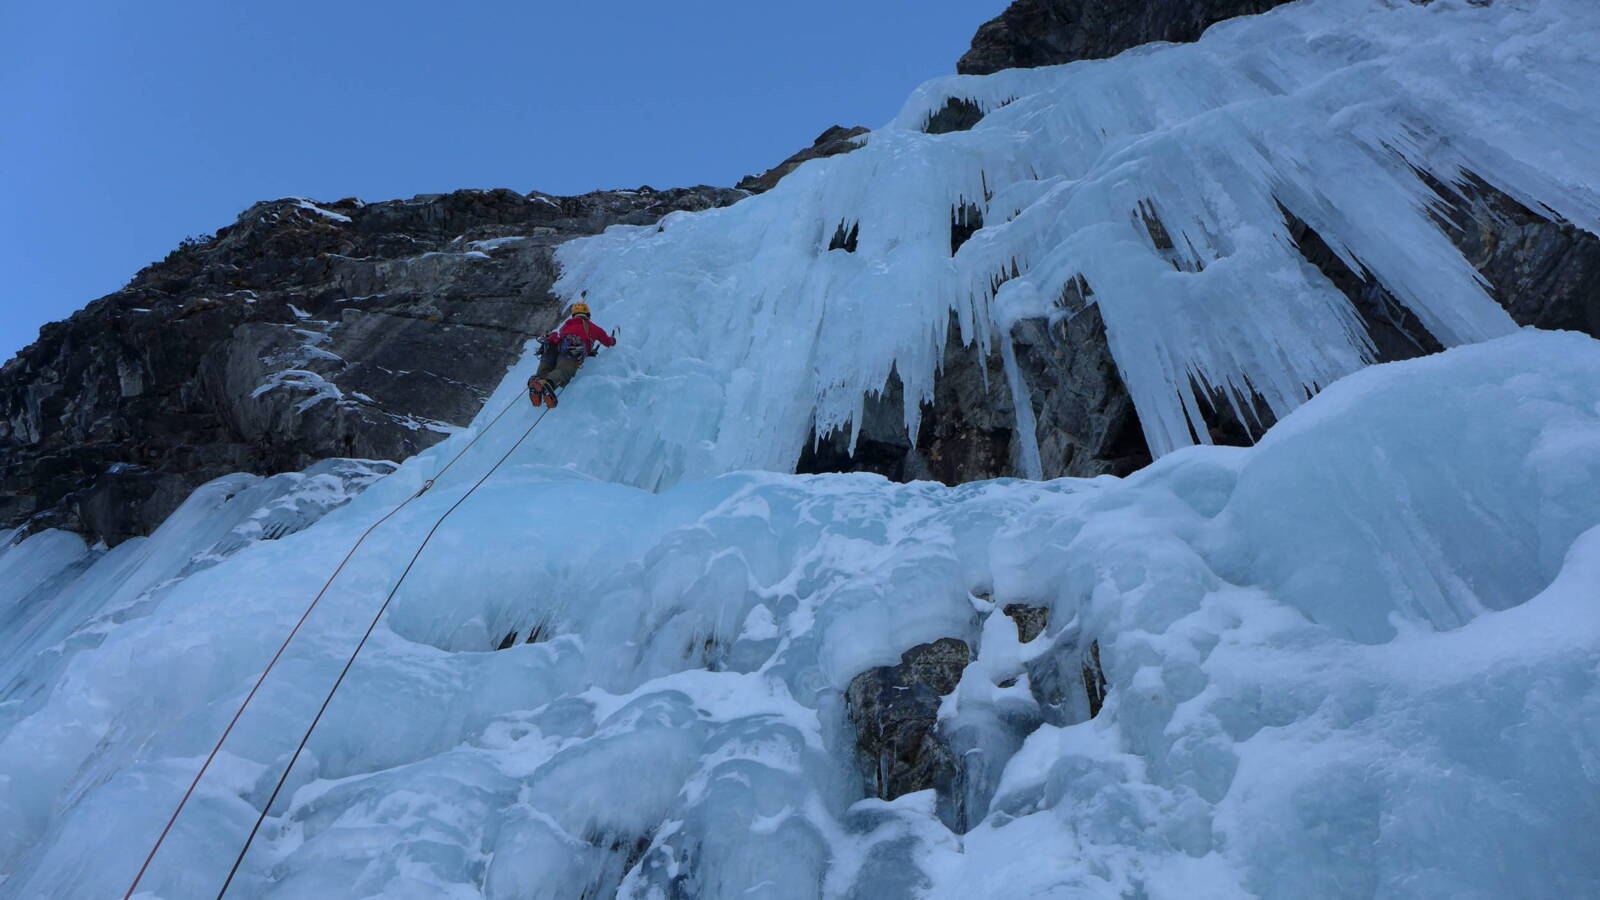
x=1355, y=660
x=1331, y=110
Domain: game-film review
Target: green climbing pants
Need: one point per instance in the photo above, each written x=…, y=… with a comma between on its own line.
x=558, y=368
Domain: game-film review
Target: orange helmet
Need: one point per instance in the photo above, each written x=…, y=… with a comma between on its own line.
x=580, y=309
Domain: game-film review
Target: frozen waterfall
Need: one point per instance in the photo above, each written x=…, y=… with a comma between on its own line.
x=1358, y=659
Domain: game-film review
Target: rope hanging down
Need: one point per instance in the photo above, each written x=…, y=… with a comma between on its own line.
x=211, y=757
x=266, y=807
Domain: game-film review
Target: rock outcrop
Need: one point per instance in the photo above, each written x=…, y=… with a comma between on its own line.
x=833, y=142
x=302, y=331
x=1085, y=421
x=903, y=745
x=1544, y=271
x=895, y=712
x=1033, y=33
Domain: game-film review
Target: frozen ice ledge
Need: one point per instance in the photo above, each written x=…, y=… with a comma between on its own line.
x=1355, y=660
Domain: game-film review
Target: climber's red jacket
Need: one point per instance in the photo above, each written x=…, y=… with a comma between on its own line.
x=583, y=328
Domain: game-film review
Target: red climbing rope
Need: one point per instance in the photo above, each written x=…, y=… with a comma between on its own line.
x=211, y=757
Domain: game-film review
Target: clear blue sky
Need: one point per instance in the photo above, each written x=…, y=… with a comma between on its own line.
x=127, y=126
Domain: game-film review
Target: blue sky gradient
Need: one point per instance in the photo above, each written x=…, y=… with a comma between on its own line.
x=128, y=126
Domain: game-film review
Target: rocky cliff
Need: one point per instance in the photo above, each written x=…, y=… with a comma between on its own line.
x=302, y=331
x=832, y=142
x=1050, y=32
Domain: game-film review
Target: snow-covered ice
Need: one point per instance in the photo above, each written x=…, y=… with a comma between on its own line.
x=309, y=206
x=492, y=244
x=304, y=381
x=1358, y=659
x=1334, y=111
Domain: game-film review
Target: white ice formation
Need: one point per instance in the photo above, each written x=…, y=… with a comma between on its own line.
x=1358, y=659
x=753, y=328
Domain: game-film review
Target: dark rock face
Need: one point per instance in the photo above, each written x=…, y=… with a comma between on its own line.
x=1085, y=423
x=1031, y=620
x=1067, y=682
x=966, y=220
x=298, y=333
x=1545, y=272
x=956, y=115
x=846, y=239
x=1034, y=33
x=895, y=711
x=1094, y=679
x=1395, y=331
x=833, y=142
x=902, y=746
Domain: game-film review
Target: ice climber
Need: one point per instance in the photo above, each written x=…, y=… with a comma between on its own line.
x=562, y=351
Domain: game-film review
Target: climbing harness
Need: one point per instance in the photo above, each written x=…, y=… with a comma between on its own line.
x=211, y=757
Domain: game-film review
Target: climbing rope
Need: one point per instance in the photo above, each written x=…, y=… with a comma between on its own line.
x=211, y=757
x=266, y=807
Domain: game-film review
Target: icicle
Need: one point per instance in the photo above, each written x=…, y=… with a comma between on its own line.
x=1021, y=400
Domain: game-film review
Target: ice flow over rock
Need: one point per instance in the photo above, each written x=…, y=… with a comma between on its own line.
x=1358, y=659
x=1155, y=185
x=1355, y=660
